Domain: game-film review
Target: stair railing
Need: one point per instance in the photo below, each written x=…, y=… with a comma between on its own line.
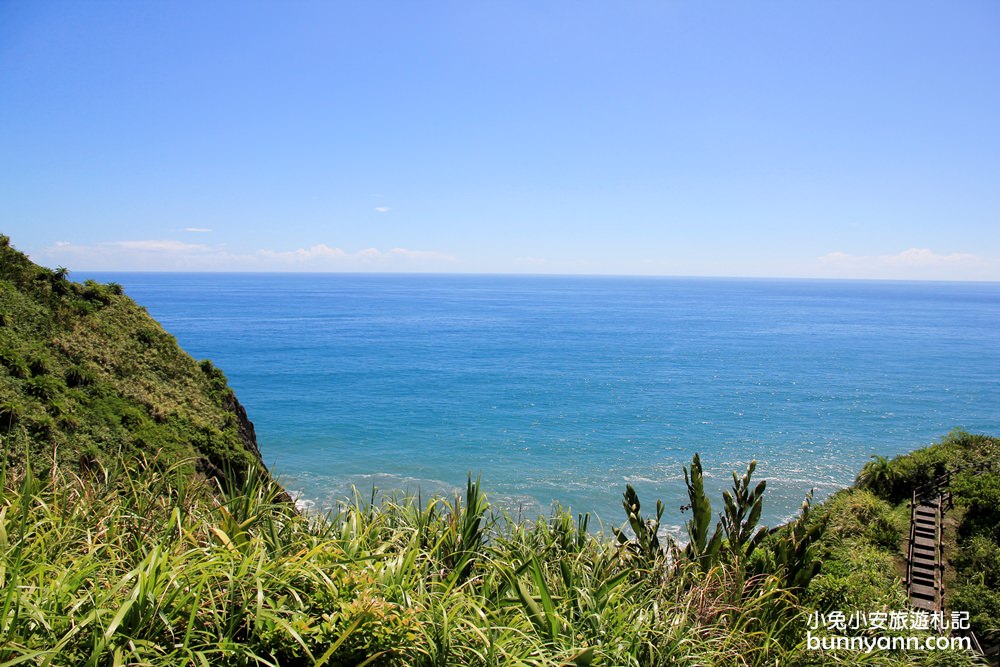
x=939, y=550
x=909, y=549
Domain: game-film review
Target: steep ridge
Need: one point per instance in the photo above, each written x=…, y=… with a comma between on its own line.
x=87, y=375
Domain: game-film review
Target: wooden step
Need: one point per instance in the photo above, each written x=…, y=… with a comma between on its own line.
x=923, y=567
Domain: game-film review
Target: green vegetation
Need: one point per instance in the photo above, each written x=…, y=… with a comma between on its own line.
x=110, y=555
x=860, y=555
x=86, y=375
x=142, y=564
x=973, y=531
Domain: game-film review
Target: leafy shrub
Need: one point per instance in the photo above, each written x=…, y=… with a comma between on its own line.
x=983, y=604
x=89, y=458
x=146, y=336
x=78, y=376
x=917, y=468
x=216, y=378
x=979, y=559
x=94, y=292
x=957, y=451
x=878, y=476
x=44, y=387
x=861, y=515
x=11, y=413
x=980, y=495
x=15, y=364
x=40, y=365
x=856, y=576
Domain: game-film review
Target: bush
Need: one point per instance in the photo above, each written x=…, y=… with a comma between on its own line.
x=11, y=413
x=44, y=387
x=858, y=514
x=979, y=559
x=856, y=576
x=983, y=604
x=14, y=363
x=980, y=495
x=77, y=376
x=917, y=468
x=40, y=365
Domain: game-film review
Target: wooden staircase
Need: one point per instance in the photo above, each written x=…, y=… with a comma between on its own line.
x=925, y=551
x=925, y=555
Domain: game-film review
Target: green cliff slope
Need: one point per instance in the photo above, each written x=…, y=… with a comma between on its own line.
x=86, y=374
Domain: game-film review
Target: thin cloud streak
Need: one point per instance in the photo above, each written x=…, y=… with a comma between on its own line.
x=912, y=263
x=172, y=255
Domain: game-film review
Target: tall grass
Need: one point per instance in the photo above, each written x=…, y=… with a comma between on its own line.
x=139, y=565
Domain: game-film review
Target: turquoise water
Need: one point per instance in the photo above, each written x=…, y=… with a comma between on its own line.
x=564, y=389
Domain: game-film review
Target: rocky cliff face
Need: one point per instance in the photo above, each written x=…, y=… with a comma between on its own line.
x=86, y=375
x=244, y=427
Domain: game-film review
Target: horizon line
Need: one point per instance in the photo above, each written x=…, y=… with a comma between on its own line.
x=500, y=274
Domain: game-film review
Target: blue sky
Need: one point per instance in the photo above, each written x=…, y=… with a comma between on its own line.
x=813, y=139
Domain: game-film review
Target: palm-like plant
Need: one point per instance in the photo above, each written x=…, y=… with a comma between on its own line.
x=878, y=476
x=702, y=549
x=743, y=506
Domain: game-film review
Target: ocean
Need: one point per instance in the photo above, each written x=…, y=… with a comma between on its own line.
x=565, y=389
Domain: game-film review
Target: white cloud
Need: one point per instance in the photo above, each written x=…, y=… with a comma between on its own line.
x=924, y=257
x=913, y=263
x=134, y=255
x=382, y=209
x=197, y=230
x=319, y=251
x=172, y=255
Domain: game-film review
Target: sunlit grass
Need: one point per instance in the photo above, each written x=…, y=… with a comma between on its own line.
x=140, y=565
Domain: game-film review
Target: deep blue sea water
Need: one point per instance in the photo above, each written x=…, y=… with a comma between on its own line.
x=564, y=389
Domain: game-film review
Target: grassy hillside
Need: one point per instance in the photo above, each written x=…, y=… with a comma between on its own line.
x=972, y=526
x=86, y=375
x=140, y=564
